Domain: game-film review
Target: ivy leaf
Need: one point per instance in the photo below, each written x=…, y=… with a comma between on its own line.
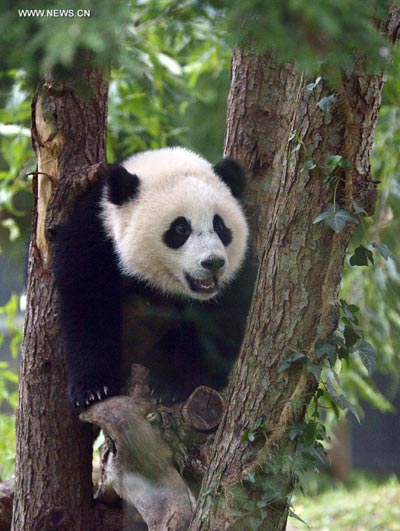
x=325, y=350
x=315, y=455
x=351, y=335
x=331, y=379
x=342, y=402
x=248, y=435
x=349, y=311
x=251, y=477
x=337, y=161
x=328, y=178
x=386, y=252
x=327, y=103
x=361, y=257
x=294, y=432
x=310, y=433
x=357, y=209
x=367, y=355
x=335, y=217
x=312, y=86
x=292, y=514
x=296, y=148
x=293, y=358
x=314, y=370
x=309, y=165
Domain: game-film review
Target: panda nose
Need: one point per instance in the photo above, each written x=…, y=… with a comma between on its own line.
x=213, y=264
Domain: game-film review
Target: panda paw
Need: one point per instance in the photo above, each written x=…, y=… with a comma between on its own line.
x=84, y=397
x=167, y=390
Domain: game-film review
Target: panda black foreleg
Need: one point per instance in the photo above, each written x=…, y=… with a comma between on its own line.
x=89, y=286
x=178, y=365
x=92, y=345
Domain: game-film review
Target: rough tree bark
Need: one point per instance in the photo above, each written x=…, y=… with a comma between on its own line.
x=53, y=461
x=300, y=266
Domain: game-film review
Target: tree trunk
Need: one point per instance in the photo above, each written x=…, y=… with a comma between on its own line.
x=53, y=461
x=300, y=268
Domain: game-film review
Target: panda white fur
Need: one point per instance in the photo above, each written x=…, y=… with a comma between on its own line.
x=149, y=269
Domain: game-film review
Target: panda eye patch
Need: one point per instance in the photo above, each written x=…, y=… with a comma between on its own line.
x=224, y=234
x=178, y=232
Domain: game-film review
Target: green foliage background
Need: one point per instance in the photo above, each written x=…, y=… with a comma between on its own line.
x=169, y=79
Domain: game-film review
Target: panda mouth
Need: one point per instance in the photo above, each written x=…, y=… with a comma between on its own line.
x=202, y=285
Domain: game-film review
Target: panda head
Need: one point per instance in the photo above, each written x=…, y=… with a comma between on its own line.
x=176, y=221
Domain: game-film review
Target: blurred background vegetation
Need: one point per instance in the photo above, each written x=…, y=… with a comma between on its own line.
x=169, y=80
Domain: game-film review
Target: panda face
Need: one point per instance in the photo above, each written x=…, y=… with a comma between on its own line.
x=183, y=234
x=201, y=255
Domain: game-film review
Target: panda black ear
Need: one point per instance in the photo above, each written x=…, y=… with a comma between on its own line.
x=232, y=174
x=122, y=185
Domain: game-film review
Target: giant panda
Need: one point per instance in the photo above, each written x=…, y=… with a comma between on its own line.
x=152, y=267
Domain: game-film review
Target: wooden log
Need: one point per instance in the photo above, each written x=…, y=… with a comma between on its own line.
x=146, y=444
x=203, y=409
x=143, y=470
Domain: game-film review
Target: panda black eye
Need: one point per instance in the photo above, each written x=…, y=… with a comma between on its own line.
x=218, y=224
x=224, y=234
x=218, y=227
x=182, y=229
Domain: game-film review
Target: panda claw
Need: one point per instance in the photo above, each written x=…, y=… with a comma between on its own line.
x=98, y=395
x=105, y=388
x=91, y=397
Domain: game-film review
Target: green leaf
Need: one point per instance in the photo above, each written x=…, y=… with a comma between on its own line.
x=367, y=390
x=297, y=404
x=337, y=161
x=294, y=432
x=351, y=335
x=294, y=135
x=326, y=350
x=317, y=453
x=13, y=227
x=258, y=424
x=367, y=355
x=170, y=63
x=296, y=148
x=335, y=218
x=246, y=435
x=331, y=380
x=349, y=311
x=292, y=514
x=293, y=358
x=386, y=252
x=342, y=402
x=357, y=209
x=361, y=257
x=326, y=104
x=312, y=86
x=310, y=433
x=251, y=477
x=314, y=370
x=309, y=165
